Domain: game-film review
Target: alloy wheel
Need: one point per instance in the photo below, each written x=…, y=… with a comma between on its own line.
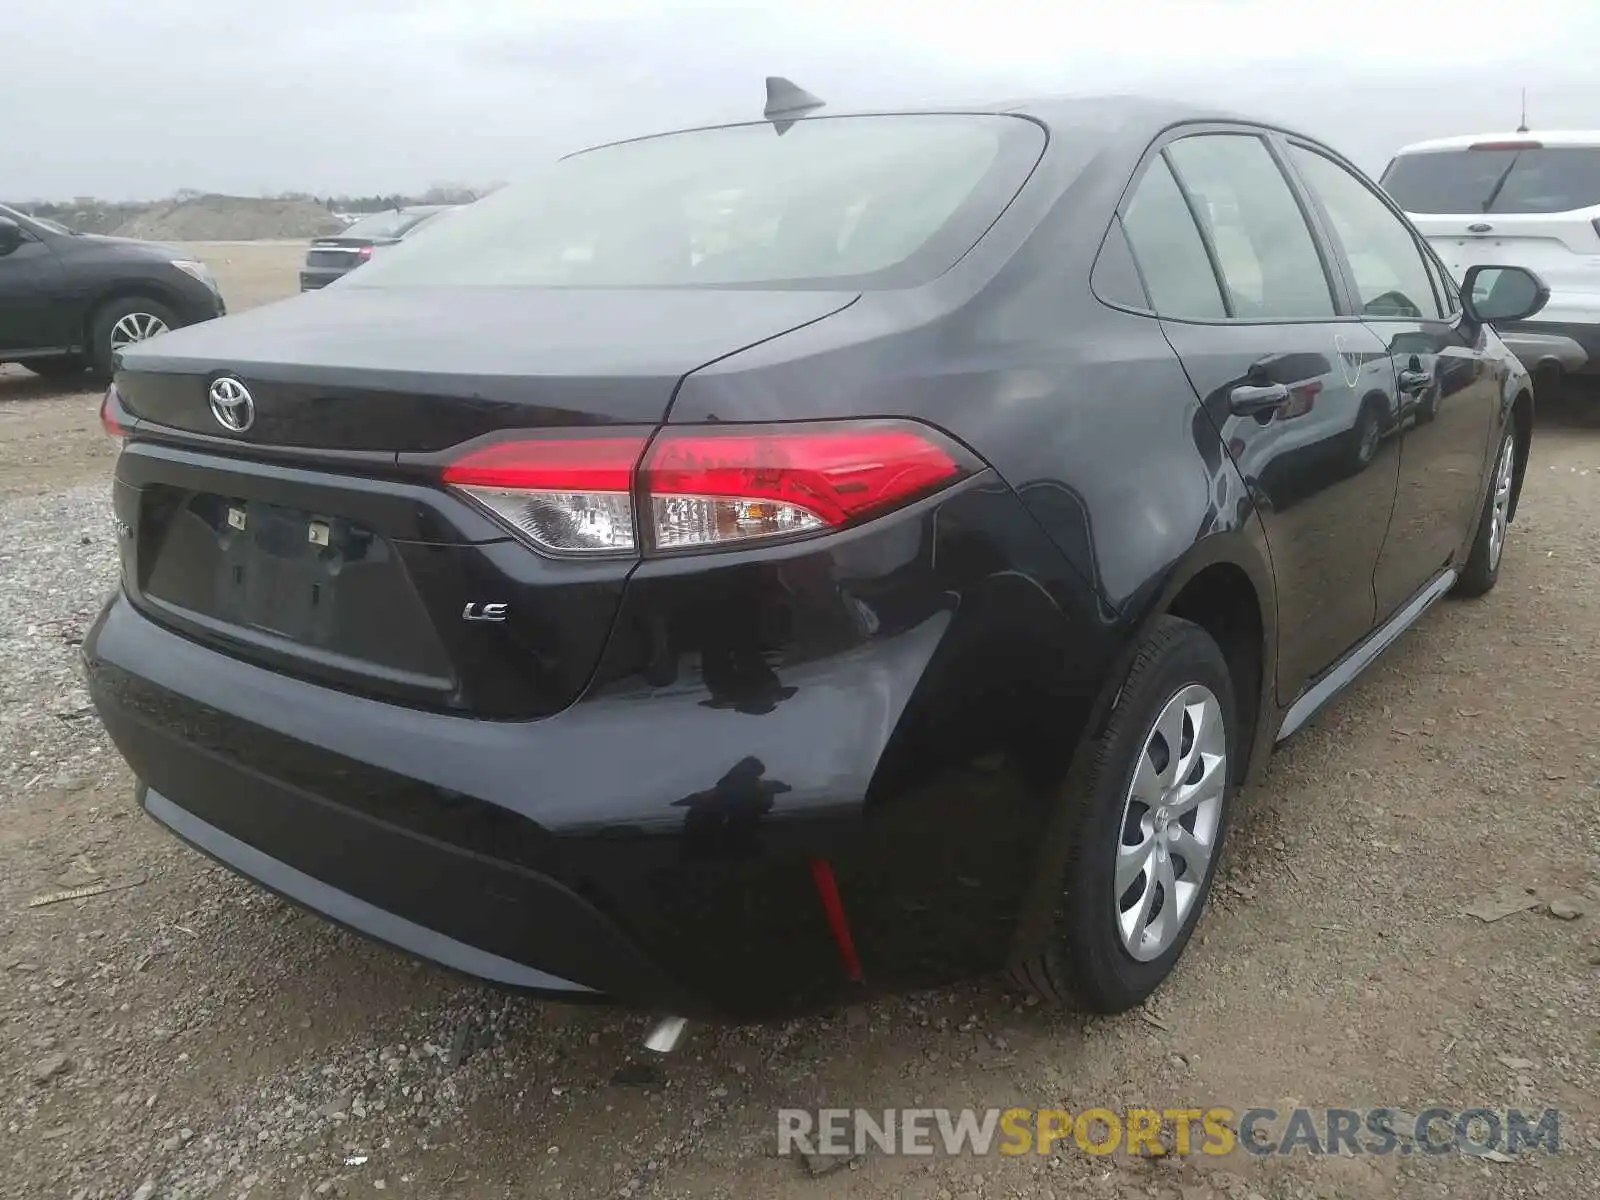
x=1500, y=507
x=1170, y=821
x=135, y=327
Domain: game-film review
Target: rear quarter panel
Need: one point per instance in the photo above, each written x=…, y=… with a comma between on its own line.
x=1087, y=416
x=1083, y=409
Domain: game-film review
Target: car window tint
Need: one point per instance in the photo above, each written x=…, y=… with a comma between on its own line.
x=1264, y=247
x=1390, y=276
x=1535, y=179
x=1166, y=242
x=833, y=200
x=382, y=225
x=1555, y=179
x=1115, y=278
x=1451, y=181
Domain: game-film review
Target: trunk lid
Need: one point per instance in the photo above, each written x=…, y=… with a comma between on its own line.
x=308, y=544
x=342, y=253
x=420, y=370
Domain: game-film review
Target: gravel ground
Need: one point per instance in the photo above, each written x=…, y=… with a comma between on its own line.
x=49, y=736
x=186, y=1035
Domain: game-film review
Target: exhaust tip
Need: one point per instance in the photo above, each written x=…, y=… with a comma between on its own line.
x=665, y=1037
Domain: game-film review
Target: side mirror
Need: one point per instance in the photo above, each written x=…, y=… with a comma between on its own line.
x=10, y=235
x=1491, y=294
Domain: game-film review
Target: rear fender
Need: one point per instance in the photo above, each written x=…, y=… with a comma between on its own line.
x=1243, y=548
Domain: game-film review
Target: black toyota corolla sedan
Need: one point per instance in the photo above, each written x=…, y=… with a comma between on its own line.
x=749, y=566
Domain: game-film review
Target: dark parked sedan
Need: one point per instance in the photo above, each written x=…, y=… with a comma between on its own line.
x=69, y=301
x=763, y=563
x=331, y=258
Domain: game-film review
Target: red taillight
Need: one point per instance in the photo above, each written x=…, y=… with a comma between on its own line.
x=108, y=415
x=364, y=253
x=599, y=464
x=709, y=485
x=704, y=486
x=569, y=495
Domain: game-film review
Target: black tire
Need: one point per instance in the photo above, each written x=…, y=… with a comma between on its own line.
x=105, y=323
x=57, y=366
x=1086, y=964
x=1483, y=560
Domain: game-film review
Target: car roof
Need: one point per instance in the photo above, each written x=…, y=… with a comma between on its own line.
x=1115, y=112
x=1552, y=137
x=1125, y=116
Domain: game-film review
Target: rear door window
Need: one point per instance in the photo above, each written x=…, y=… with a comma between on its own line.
x=1116, y=279
x=1171, y=254
x=1535, y=179
x=1264, y=247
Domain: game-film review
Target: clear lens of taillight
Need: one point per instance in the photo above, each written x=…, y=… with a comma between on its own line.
x=567, y=495
x=569, y=522
x=708, y=486
x=705, y=486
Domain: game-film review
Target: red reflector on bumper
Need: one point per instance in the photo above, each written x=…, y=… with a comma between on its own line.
x=833, y=908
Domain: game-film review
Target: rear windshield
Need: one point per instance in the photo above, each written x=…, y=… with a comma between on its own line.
x=1544, y=180
x=385, y=224
x=830, y=202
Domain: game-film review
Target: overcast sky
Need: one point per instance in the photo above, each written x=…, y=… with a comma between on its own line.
x=134, y=100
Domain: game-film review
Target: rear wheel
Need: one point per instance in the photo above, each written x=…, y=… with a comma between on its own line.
x=1494, y=522
x=1147, y=830
x=57, y=366
x=122, y=323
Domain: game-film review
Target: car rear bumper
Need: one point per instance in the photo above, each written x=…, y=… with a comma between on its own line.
x=312, y=278
x=418, y=866
x=668, y=841
x=1572, y=346
x=342, y=907
x=468, y=842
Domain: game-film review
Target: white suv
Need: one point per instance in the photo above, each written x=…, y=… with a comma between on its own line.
x=1519, y=199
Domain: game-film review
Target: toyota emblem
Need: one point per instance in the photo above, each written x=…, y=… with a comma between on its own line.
x=231, y=404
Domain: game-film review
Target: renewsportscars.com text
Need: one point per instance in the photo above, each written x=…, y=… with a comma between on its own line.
x=1151, y=1131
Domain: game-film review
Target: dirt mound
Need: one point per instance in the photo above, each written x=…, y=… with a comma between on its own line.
x=230, y=218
